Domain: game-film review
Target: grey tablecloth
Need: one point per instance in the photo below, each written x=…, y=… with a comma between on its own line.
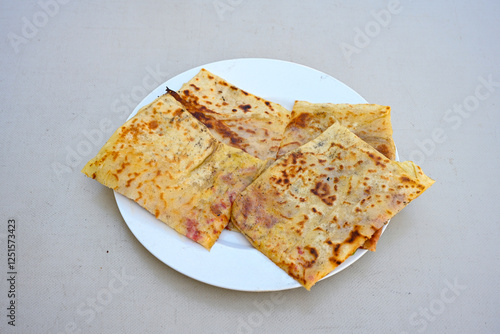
x=72, y=71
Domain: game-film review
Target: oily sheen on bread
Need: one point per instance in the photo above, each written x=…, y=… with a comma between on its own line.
x=370, y=122
x=234, y=116
x=316, y=205
x=170, y=164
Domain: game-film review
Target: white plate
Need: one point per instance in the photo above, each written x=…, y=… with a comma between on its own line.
x=232, y=262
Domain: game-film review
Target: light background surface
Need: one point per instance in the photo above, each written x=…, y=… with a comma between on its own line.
x=79, y=267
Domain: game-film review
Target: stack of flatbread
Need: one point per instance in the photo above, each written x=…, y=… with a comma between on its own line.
x=307, y=188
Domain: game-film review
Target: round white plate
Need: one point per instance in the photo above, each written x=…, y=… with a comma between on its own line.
x=232, y=262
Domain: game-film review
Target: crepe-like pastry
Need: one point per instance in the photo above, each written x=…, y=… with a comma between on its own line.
x=370, y=122
x=234, y=116
x=170, y=164
x=316, y=205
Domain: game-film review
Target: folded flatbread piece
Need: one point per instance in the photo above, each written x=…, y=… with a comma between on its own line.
x=370, y=122
x=316, y=205
x=234, y=116
x=170, y=164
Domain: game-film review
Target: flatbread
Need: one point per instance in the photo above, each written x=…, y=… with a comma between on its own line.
x=370, y=122
x=170, y=164
x=234, y=116
x=316, y=205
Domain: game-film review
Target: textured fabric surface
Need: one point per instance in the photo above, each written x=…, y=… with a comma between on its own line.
x=72, y=72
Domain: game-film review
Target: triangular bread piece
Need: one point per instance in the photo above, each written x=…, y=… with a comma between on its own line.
x=370, y=122
x=234, y=116
x=170, y=164
x=316, y=205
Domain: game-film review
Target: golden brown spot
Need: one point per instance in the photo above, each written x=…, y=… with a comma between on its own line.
x=129, y=181
x=367, y=190
x=350, y=188
x=268, y=104
x=245, y=107
x=322, y=190
x=336, y=249
x=140, y=196
x=314, y=253
x=122, y=167
x=216, y=209
x=382, y=148
x=153, y=125
x=301, y=121
x=339, y=146
x=353, y=236
x=334, y=261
